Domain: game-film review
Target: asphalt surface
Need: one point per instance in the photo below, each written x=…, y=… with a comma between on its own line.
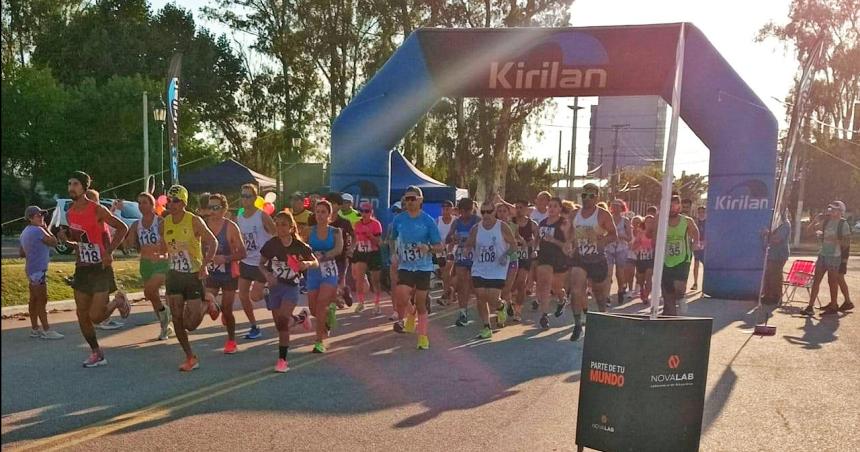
x=797, y=390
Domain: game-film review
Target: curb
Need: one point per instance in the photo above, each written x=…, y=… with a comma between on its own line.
x=60, y=305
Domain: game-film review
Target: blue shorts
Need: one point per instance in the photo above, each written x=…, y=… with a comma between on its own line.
x=315, y=280
x=280, y=294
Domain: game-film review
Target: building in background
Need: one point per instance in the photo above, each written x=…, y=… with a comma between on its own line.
x=635, y=124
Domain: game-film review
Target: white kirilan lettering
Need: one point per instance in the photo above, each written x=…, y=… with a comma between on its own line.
x=744, y=202
x=514, y=75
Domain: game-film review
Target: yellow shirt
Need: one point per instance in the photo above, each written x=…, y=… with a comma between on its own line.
x=183, y=247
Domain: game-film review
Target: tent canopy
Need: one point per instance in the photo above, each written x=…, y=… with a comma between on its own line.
x=226, y=176
x=404, y=174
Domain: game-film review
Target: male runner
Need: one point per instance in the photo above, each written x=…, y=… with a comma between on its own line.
x=346, y=211
x=458, y=235
x=224, y=269
x=108, y=323
x=342, y=260
x=256, y=228
x=183, y=238
x=681, y=232
x=444, y=261
x=527, y=230
x=94, y=278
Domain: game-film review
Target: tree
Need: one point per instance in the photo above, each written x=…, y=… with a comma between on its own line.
x=526, y=178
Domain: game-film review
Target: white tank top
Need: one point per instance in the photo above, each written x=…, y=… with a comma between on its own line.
x=585, y=232
x=444, y=229
x=537, y=216
x=489, y=245
x=254, y=235
x=149, y=236
x=622, y=242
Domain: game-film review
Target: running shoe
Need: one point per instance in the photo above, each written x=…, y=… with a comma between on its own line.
x=347, y=298
x=502, y=316
x=544, y=322
x=559, y=307
x=393, y=317
x=254, y=333
x=213, y=309
x=576, y=334
x=485, y=333
x=808, y=311
x=190, y=364
x=359, y=307
x=122, y=304
x=331, y=316
x=535, y=305
x=164, y=321
x=95, y=360
x=398, y=326
x=462, y=319
x=37, y=333
x=319, y=347
x=423, y=342
x=282, y=366
x=110, y=325
x=305, y=320
x=409, y=326
x=377, y=309
x=427, y=305
x=230, y=347
x=51, y=335
x=847, y=306
x=510, y=309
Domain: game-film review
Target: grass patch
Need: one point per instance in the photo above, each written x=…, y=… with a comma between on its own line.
x=15, y=285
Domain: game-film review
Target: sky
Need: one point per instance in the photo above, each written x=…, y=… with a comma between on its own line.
x=731, y=26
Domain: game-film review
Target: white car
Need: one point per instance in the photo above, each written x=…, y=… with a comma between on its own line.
x=128, y=213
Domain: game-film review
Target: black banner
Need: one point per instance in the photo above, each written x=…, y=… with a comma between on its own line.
x=643, y=383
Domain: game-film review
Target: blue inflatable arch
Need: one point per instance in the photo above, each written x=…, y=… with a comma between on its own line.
x=716, y=104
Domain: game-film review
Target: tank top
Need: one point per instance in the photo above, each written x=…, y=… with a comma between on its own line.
x=223, y=250
x=677, y=244
x=149, y=236
x=254, y=235
x=94, y=235
x=645, y=252
x=328, y=267
x=183, y=247
x=444, y=229
x=547, y=229
x=586, y=232
x=489, y=246
x=622, y=241
x=462, y=229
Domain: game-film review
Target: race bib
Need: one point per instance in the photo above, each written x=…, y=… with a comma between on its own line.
x=586, y=247
x=673, y=248
x=216, y=268
x=251, y=241
x=280, y=269
x=147, y=237
x=89, y=253
x=487, y=254
x=328, y=269
x=461, y=255
x=411, y=253
x=646, y=255
x=180, y=262
x=363, y=246
x=546, y=231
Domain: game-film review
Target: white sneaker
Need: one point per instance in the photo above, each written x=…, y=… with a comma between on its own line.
x=51, y=334
x=377, y=309
x=394, y=317
x=110, y=325
x=37, y=333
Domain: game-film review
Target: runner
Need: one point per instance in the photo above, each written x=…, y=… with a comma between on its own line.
x=183, y=237
x=144, y=235
x=676, y=269
x=283, y=259
x=643, y=246
x=257, y=228
x=699, y=251
x=593, y=229
x=326, y=241
x=36, y=244
x=493, y=245
x=538, y=213
x=414, y=236
x=368, y=235
x=108, y=323
x=301, y=215
x=459, y=233
x=347, y=212
x=527, y=231
x=503, y=214
x=94, y=278
x=387, y=257
x=224, y=269
x=445, y=259
x=552, y=261
x=616, y=251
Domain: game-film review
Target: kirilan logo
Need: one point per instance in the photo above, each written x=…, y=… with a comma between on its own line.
x=550, y=75
x=748, y=195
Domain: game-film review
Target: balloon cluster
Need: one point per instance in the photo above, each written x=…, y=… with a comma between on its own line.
x=266, y=204
x=160, y=202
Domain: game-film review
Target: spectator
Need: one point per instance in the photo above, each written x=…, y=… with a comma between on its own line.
x=777, y=255
x=835, y=236
x=36, y=243
x=301, y=215
x=347, y=212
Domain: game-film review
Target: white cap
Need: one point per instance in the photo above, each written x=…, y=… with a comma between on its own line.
x=396, y=206
x=838, y=205
x=347, y=197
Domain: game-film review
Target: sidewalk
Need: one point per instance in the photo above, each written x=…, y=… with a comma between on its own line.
x=61, y=305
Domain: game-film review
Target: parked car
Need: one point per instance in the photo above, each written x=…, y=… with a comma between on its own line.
x=128, y=213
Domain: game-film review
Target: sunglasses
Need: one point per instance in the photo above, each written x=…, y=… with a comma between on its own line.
x=589, y=195
x=175, y=200
x=487, y=212
x=244, y=196
x=410, y=198
x=215, y=207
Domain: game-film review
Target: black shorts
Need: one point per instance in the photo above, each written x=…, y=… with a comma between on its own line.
x=596, y=270
x=441, y=261
x=373, y=260
x=673, y=274
x=417, y=280
x=93, y=279
x=642, y=266
x=559, y=263
x=251, y=273
x=225, y=283
x=525, y=264
x=189, y=285
x=483, y=283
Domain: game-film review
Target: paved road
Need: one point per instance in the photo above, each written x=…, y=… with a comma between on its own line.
x=797, y=390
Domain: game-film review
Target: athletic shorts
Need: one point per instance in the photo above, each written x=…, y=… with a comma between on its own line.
x=699, y=255
x=559, y=263
x=828, y=263
x=224, y=281
x=643, y=265
x=189, y=285
x=251, y=273
x=616, y=256
x=38, y=278
x=673, y=274
x=149, y=268
x=441, y=261
x=417, y=280
x=596, y=270
x=315, y=280
x=483, y=283
x=525, y=264
x=373, y=260
x=280, y=294
x=93, y=279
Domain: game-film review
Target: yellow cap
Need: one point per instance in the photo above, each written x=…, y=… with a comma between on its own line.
x=178, y=191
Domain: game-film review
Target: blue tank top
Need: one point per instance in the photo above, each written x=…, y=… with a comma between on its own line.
x=462, y=229
x=322, y=245
x=223, y=250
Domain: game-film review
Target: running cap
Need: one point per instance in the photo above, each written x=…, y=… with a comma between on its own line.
x=416, y=190
x=178, y=191
x=83, y=178
x=838, y=205
x=396, y=207
x=347, y=197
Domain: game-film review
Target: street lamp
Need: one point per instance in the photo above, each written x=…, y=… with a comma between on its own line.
x=159, y=114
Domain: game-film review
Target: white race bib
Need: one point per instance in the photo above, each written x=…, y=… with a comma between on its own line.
x=216, y=268
x=410, y=253
x=487, y=254
x=363, y=246
x=328, y=269
x=180, y=262
x=586, y=247
x=89, y=253
x=280, y=269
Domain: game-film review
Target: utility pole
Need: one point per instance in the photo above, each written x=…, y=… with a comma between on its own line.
x=145, y=144
x=614, y=175
x=559, y=151
x=571, y=175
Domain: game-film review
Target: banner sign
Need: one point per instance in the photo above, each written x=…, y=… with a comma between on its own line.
x=645, y=392
x=173, y=114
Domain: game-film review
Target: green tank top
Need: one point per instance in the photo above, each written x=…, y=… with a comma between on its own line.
x=677, y=244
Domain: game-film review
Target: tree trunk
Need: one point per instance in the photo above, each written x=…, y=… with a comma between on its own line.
x=458, y=166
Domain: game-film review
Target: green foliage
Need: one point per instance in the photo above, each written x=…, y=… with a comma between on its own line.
x=526, y=178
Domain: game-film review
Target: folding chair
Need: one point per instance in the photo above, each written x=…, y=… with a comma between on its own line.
x=799, y=276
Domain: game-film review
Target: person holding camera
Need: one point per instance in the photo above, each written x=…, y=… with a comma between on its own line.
x=36, y=244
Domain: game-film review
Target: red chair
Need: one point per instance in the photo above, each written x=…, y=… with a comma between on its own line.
x=799, y=276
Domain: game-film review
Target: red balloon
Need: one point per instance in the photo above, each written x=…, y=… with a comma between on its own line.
x=269, y=208
x=162, y=200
